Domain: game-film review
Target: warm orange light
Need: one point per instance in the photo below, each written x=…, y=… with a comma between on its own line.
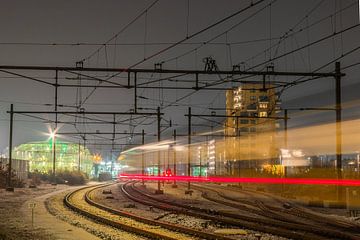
x=97, y=158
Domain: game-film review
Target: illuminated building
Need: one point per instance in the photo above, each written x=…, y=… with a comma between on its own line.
x=40, y=156
x=253, y=130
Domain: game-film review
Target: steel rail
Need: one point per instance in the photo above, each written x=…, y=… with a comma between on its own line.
x=275, y=213
x=256, y=224
x=172, y=227
x=116, y=224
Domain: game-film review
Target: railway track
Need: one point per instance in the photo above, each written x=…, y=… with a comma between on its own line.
x=274, y=227
x=81, y=202
x=316, y=224
x=298, y=211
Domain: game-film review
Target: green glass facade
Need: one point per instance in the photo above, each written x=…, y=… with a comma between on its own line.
x=40, y=156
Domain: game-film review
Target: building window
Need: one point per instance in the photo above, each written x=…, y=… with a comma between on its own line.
x=264, y=99
x=253, y=98
x=252, y=107
x=244, y=121
x=252, y=129
x=263, y=105
x=252, y=121
x=263, y=114
x=244, y=129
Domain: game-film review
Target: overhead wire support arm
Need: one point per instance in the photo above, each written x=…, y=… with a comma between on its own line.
x=230, y=116
x=98, y=133
x=85, y=113
x=311, y=109
x=27, y=77
x=167, y=71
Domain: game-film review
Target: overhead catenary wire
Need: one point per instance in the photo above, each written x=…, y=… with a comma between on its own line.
x=298, y=49
x=121, y=31
x=135, y=44
x=297, y=24
x=183, y=40
x=217, y=36
x=291, y=31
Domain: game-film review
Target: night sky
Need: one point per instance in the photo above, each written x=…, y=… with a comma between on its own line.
x=60, y=33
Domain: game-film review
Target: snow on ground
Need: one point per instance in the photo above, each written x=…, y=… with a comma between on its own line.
x=15, y=221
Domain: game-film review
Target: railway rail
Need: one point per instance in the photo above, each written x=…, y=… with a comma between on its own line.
x=273, y=227
x=81, y=202
x=319, y=225
x=298, y=211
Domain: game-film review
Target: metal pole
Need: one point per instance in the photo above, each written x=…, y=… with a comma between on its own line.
x=135, y=92
x=285, y=144
x=142, y=156
x=357, y=168
x=212, y=129
x=238, y=139
x=200, y=162
x=159, y=191
x=238, y=144
x=112, y=145
x=285, y=128
x=32, y=217
x=84, y=149
x=340, y=195
x=189, y=147
x=55, y=129
x=174, y=184
x=9, y=188
x=79, y=160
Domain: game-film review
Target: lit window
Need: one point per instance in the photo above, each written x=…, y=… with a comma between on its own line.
x=263, y=114
x=263, y=105
x=237, y=97
x=237, y=105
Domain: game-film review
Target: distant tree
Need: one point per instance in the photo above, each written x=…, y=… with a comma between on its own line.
x=15, y=182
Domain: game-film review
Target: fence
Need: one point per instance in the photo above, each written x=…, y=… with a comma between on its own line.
x=20, y=167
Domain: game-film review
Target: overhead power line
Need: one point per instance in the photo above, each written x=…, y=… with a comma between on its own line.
x=78, y=44
x=121, y=31
x=181, y=41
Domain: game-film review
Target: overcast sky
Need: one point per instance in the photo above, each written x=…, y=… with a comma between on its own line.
x=53, y=33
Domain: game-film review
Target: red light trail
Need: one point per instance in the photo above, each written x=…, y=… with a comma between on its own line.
x=302, y=181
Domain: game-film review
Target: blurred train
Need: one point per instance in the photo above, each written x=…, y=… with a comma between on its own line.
x=289, y=163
